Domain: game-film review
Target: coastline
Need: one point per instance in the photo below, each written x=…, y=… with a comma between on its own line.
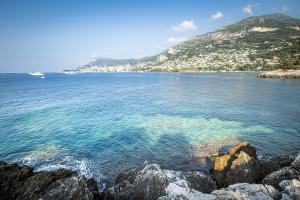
x=239, y=173
x=280, y=74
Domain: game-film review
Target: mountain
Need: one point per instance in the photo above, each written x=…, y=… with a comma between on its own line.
x=269, y=41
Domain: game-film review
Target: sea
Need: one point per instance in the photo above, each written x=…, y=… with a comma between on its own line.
x=102, y=123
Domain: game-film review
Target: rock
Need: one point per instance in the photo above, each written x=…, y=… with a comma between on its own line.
x=285, y=197
x=245, y=191
x=38, y=182
x=274, y=164
x=276, y=177
x=241, y=191
x=68, y=188
x=280, y=74
x=127, y=175
x=200, y=182
x=296, y=164
x=149, y=183
x=181, y=190
x=245, y=147
x=239, y=166
x=291, y=187
x=243, y=169
x=12, y=178
x=221, y=166
x=94, y=189
x=20, y=182
x=152, y=182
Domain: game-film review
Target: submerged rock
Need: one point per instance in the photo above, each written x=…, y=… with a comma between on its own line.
x=276, y=177
x=240, y=165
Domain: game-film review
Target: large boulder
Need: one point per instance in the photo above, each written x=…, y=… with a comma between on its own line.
x=153, y=182
x=274, y=164
x=291, y=187
x=68, y=188
x=246, y=191
x=20, y=182
x=240, y=165
x=276, y=177
x=243, y=169
x=149, y=183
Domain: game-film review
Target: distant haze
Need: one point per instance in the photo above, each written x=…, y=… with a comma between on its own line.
x=49, y=35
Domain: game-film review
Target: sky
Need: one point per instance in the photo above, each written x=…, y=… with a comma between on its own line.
x=49, y=35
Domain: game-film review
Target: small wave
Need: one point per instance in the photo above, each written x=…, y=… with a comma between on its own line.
x=81, y=166
x=54, y=160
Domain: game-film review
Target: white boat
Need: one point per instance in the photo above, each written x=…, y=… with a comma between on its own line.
x=38, y=73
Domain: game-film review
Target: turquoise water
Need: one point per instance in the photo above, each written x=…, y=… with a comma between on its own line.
x=99, y=124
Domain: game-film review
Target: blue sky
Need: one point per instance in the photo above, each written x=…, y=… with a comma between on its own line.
x=47, y=35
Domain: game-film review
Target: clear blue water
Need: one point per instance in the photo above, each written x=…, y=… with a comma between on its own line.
x=99, y=124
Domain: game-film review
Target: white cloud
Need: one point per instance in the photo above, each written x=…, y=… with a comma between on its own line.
x=284, y=9
x=185, y=26
x=176, y=40
x=248, y=9
x=217, y=16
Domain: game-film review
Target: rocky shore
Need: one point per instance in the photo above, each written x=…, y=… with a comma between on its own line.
x=239, y=174
x=280, y=74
